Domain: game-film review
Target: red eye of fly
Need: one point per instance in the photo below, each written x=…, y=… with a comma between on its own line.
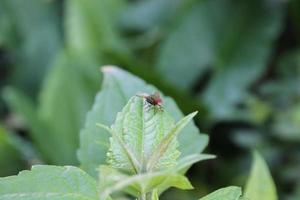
x=158, y=101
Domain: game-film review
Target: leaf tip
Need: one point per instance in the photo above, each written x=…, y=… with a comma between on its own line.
x=109, y=69
x=194, y=113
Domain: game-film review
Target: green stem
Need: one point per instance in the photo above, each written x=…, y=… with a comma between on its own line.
x=143, y=197
x=146, y=196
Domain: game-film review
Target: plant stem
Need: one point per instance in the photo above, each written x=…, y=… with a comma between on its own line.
x=146, y=196
x=143, y=197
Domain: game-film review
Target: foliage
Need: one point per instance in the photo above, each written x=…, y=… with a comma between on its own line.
x=144, y=143
x=142, y=158
x=235, y=62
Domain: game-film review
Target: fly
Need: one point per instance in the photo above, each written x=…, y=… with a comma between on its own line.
x=152, y=99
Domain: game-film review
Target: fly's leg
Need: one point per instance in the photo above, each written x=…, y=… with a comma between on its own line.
x=158, y=108
x=147, y=106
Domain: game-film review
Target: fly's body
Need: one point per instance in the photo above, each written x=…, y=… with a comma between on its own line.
x=152, y=99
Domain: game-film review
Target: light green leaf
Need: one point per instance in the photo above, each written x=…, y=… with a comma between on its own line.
x=167, y=144
x=191, y=159
x=228, y=193
x=113, y=181
x=260, y=184
x=90, y=27
x=49, y=182
x=144, y=138
x=120, y=155
x=117, y=88
x=232, y=39
x=182, y=166
x=148, y=133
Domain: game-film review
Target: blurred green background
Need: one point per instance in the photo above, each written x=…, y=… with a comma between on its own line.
x=236, y=61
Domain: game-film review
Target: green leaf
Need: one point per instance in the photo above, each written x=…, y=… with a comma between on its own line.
x=49, y=182
x=6, y=32
x=166, y=148
x=24, y=108
x=148, y=133
x=55, y=124
x=11, y=159
x=287, y=123
x=143, y=138
x=182, y=166
x=148, y=15
x=35, y=38
x=294, y=7
x=260, y=184
x=228, y=193
x=188, y=49
x=231, y=39
x=117, y=88
x=120, y=155
x=113, y=181
x=90, y=27
x=189, y=160
x=64, y=103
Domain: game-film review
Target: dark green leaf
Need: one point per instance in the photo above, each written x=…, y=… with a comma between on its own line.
x=37, y=38
x=234, y=38
x=11, y=159
x=145, y=15
x=54, y=125
x=24, y=108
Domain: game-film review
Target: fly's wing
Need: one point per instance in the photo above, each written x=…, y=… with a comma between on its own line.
x=157, y=95
x=143, y=95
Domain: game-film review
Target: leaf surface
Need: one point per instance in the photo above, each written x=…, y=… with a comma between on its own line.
x=64, y=102
x=34, y=37
x=49, y=182
x=90, y=27
x=11, y=160
x=117, y=88
x=232, y=40
x=260, y=184
x=228, y=193
x=113, y=181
